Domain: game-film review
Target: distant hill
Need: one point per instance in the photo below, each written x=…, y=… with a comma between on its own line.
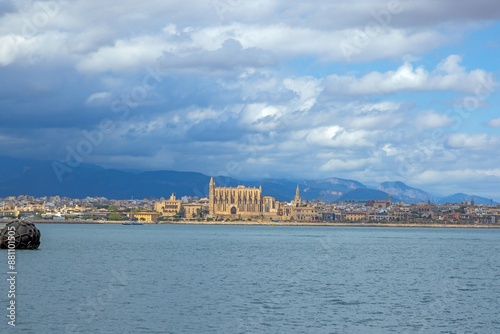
x=284, y=190
x=361, y=194
x=37, y=178
x=405, y=193
x=460, y=197
x=83, y=182
x=12, y=168
x=330, y=189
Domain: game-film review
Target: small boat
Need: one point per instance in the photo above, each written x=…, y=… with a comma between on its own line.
x=131, y=223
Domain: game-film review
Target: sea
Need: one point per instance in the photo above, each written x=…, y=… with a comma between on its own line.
x=101, y=278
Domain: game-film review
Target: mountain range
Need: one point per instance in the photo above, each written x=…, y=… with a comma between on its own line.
x=38, y=178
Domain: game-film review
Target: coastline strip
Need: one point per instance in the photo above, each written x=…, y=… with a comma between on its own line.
x=266, y=223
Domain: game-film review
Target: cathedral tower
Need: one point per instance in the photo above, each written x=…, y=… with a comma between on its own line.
x=297, y=200
x=211, y=196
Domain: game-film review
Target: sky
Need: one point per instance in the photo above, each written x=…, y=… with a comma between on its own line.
x=368, y=90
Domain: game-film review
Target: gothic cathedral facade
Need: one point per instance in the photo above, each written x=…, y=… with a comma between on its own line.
x=241, y=202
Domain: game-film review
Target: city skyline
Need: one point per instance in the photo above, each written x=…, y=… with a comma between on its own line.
x=382, y=91
x=248, y=205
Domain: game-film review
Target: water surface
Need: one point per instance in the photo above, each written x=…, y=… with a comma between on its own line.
x=257, y=279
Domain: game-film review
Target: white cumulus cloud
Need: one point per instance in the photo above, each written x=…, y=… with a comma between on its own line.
x=494, y=123
x=431, y=119
x=448, y=75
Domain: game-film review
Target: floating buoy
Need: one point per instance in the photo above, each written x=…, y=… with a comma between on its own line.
x=22, y=234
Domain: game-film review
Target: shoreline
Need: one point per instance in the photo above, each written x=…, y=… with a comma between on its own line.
x=409, y=225
x=274, y=224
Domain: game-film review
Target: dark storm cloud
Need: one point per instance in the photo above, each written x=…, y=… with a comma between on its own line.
x=40, y=97
x=459, y=11
x=6, y=7
x=327, y=15
x=213, y=130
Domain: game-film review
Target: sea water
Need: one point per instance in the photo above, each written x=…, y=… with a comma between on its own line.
x=255, y=279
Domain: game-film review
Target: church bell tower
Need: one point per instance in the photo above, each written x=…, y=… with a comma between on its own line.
x=297, y=200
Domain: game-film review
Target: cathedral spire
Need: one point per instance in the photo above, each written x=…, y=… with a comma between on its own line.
x=297, y=196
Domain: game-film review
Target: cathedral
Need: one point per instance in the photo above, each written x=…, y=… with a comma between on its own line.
x=241, y=202
x=248, y=203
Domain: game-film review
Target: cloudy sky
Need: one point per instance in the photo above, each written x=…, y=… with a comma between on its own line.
x=368, y=90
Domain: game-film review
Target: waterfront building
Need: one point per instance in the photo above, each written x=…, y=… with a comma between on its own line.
x=380, y=204
x=327, y=216
x=271, y=207
x=306, y=213
x=145, y=216
x=169, y=207
x=302, y=211
x=355, y=216
x=193, y=210
x=9, y=213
